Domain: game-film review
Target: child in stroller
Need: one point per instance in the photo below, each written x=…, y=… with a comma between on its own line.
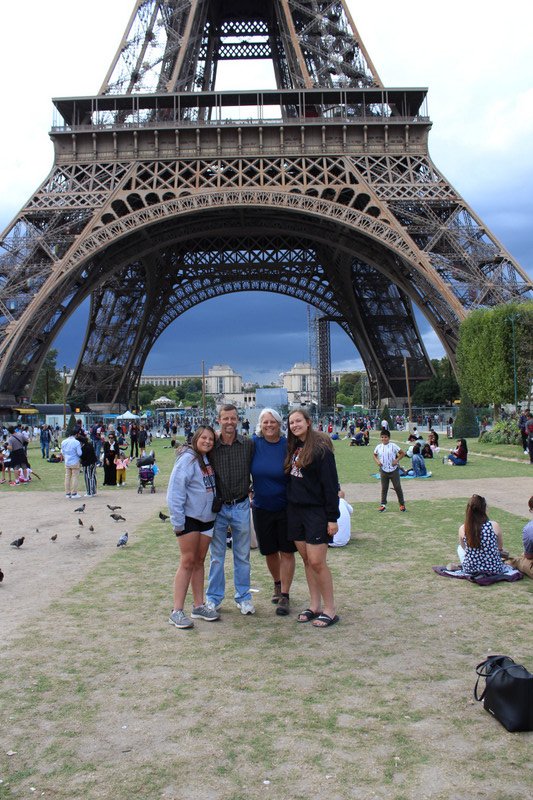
x=147, y=471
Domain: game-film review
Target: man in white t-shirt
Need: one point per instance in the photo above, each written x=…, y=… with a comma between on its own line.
x=387, y=456
x=342, y=536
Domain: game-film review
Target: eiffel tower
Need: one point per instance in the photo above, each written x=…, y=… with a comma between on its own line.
x=165, y=192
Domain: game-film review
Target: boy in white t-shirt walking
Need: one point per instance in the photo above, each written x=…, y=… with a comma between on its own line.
x=387, y=456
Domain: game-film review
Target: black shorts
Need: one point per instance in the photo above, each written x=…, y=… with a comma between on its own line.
x=271, y=531
x=308, y=524
x=196, y=525
x=19, y=458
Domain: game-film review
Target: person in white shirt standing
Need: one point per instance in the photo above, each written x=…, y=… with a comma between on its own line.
x=71, y=451
x=387, y=456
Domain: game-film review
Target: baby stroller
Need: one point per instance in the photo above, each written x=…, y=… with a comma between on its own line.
x=147, y=472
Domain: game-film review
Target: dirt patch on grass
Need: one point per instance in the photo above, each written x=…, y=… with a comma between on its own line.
x=42, y=570
x=104, y=699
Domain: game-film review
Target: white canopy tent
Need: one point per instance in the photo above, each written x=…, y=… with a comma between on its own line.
x=128, y=415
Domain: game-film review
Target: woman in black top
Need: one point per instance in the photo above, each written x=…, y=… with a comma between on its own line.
x=312, y=511
x=111, y=450
x=88, y=462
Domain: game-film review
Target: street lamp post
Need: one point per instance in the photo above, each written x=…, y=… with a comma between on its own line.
x=512, y=319
x=64, y=397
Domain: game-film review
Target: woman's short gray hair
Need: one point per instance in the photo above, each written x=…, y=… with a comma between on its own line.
x=274, y=413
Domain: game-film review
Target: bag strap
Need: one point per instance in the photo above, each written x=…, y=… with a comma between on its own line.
x=488, y=667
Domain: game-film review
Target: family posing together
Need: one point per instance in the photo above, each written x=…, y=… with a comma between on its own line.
x=295, y=507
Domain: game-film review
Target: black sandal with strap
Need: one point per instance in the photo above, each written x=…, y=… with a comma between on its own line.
x=308, y=614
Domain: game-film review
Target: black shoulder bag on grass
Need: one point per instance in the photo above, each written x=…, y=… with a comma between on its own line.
x=508, y=692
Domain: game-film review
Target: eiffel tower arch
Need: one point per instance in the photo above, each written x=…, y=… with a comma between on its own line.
x=166, y=192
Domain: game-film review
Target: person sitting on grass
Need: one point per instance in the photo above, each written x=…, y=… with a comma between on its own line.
x=5, y=463
x=525, y=562
x=342, y=537
x=459, y=456
x=480, y=540
x=426, y=451
x=418, y=470
x=433, y=440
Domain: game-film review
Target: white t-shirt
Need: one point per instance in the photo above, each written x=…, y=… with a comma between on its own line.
x=386, y=454
x=342, y=536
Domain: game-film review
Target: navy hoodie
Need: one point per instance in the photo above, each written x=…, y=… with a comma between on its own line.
x=316, y=485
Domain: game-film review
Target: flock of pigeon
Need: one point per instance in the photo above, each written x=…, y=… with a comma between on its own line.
x=122, y=542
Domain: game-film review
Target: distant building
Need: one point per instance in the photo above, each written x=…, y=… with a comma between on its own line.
x=221, y=382
x=167, y=380
x=301, y=383
x=222, y=379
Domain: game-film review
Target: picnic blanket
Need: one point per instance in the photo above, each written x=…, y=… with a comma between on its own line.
x=508, y=574
x=420, y=477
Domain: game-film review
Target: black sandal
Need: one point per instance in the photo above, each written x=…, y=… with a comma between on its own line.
x=326, y=620
x=307, y=614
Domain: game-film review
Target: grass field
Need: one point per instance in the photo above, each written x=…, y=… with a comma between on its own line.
x=101, y=699
x=354, y=464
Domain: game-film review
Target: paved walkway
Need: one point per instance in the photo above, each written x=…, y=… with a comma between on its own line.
x=511, y=494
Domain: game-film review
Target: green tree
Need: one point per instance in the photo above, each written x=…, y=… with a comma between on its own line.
x=465, y=425
x=349, y=387
x=344, y=400
x=385, y=414
x=486, y=356
x=147, y=392
x=49, y=383
x=71, y=424
x=436, y=391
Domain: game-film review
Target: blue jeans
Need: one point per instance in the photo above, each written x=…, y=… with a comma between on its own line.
x=457, y=462
x=238, y=518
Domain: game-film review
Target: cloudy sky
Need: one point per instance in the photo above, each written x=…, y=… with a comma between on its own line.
x=474, y=57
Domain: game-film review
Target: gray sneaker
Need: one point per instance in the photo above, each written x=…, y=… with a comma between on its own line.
x=205, y=612
x=180, y=620
x=246, y=607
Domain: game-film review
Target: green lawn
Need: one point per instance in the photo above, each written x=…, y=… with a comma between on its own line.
x=354, y=464
x=102, y=699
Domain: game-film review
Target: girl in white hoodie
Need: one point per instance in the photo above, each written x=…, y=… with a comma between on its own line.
x=190, y=495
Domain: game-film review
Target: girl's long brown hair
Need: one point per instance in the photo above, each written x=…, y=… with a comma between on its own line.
x=194, y=441
x=315, y=444
x=476, y=516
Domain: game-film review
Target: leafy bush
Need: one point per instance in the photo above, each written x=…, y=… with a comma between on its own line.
x=505, y=431
x=465, y=425
x=385, y=415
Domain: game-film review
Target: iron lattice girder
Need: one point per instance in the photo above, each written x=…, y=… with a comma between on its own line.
x=345, y=169
x=340, y=179
x=197, y=269
x=175, y=45
x=460, y=249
